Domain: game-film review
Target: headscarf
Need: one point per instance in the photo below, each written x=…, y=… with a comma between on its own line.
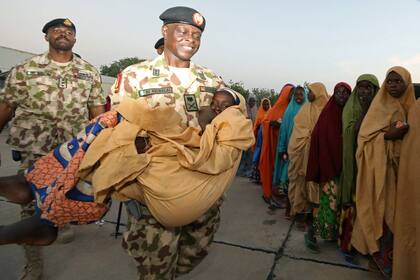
x=298, y=149
x=325, y=153
x=234, y=94
x=261, y=114
x=276, y=112
x=377, y=163
x=270, y=136
x=280, y=171
x=351, y=114
x=406, y=253
x=252, y=112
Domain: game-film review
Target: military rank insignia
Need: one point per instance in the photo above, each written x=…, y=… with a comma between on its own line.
x=190, y=103
x=156, y=72
x=62, y=83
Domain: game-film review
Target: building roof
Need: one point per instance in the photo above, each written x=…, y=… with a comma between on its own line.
x=10, y=57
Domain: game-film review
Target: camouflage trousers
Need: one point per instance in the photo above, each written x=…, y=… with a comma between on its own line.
x=33, y=254
x=164, y=253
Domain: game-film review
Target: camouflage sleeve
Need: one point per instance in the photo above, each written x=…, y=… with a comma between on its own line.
x=217, y=83
x=124, y=87
x=220, y=82
x=14, y=91
x=96, y=96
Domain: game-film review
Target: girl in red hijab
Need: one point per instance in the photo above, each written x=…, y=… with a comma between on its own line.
x=325, y=163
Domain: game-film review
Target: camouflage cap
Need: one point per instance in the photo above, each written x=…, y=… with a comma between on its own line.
x=58, y=22
x=185, y=15
x=159, y=43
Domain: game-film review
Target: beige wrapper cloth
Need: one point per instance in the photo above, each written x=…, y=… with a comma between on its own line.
x=407, y=212
x=182, y=175
x=377, y=163
x=300, y=191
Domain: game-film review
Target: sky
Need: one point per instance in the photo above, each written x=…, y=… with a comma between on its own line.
x=263, y=44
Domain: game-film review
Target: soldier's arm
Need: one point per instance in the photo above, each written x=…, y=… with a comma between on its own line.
x=96, y=111
x=6, y=114
x=97, y=99
x=124, y=87
x=12, y=94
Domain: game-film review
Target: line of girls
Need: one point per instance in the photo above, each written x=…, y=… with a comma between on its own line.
x=344, y=167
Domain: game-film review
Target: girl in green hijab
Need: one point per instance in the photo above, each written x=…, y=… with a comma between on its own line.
x=353, y=113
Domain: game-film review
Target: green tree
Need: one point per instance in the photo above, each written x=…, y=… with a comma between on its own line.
x=239, y=87
x=117, y=66
x=261, y=93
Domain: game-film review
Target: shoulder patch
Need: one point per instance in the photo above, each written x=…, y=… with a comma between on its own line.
x=207, y=89
x=190, y=103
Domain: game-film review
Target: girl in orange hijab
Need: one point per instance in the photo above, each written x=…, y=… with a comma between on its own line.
x=261, y=115
x=270, y=129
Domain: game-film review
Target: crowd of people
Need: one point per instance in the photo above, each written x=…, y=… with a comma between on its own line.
x=343, y=167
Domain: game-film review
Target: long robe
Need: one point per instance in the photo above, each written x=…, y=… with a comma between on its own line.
x=280, y=175
x=351, y=114
x=377, y=164
x=298, y=150
x=407, y=211
x=269, y=140
x=347, y=183
x=325, y=154
x=325, y=162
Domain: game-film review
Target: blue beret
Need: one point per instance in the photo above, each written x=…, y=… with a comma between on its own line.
x=58, y=22
x=183, y=15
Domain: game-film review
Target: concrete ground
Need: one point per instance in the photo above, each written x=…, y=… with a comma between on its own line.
x=253, y=243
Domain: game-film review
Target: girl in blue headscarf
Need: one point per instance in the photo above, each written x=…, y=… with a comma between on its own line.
x=280, y=176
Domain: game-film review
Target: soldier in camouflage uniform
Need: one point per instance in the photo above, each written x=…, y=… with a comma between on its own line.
x=50, y=98
x=171, y=80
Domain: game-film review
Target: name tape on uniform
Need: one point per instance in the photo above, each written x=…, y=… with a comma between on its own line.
x=150, y=91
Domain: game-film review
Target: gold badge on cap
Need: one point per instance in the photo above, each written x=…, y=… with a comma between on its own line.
x=67, y=22
x=198, y=19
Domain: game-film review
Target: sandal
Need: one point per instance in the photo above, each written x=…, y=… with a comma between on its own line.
x=311, y=245
x=266, y=200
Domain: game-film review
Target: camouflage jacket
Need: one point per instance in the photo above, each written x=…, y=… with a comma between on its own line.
x=51, y=101
x=154, y=81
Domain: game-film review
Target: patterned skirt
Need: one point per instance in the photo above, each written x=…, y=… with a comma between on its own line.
x=326, y=221
x=60, y=196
